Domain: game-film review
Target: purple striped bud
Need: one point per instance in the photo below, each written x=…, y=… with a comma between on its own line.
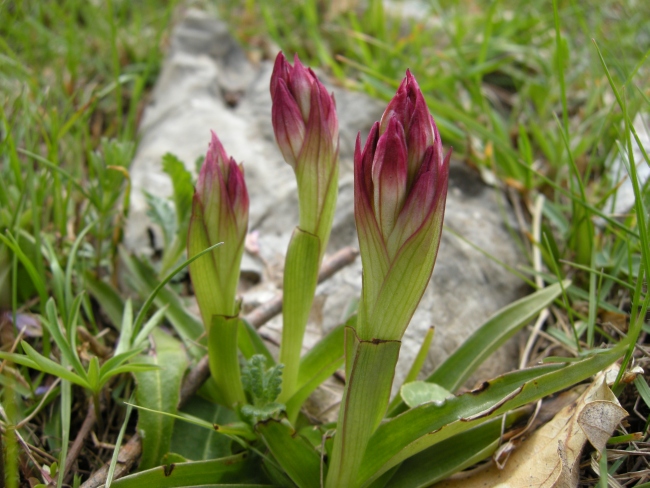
x=400, y=192
x=307, y=132
x=219, y=214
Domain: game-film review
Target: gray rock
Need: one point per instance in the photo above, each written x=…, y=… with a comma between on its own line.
x=207, y=83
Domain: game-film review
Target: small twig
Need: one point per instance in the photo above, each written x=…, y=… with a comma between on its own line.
x=130, y=452
x=86, y=427
x=126, y=458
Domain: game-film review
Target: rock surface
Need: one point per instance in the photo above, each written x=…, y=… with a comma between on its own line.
x=208, y=83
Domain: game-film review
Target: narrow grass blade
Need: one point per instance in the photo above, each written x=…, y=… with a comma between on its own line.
x=118, y=444
x=188, y=327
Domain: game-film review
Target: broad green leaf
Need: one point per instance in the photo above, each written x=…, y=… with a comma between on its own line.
x=159, y=390
x=48, y=366
x=293, y=452
x=317, y=365
x=197, y=443
x=364, y=404
x=109, y=300
x=458, y=367
x=300, y=280
x=430, y=423
x=231, y=471
x=451, y=456
x=235, y=430
x=418, y=392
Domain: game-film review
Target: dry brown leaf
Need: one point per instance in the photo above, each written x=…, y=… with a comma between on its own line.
x=549, y=458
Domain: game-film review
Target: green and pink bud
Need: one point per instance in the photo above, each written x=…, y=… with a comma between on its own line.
x=307, y=132
x=219, y=214
x=400, y=192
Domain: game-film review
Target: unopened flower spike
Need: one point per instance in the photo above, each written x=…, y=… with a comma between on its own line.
x=219, y=214
x=307, y=131
x=400, y=192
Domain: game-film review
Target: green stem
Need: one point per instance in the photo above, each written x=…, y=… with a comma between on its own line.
x=365, y=399
x=300, y=280
x=224, y=363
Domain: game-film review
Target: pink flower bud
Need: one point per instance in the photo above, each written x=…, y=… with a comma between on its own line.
x=400, y=192
x=219, y=214
x=307, y=132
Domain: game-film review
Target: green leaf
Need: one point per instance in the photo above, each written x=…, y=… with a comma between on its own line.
x=162, y=212
x=48, y=366
x=364, y=404
x=250, y=342
x=52, y=325
x=229, y=470
x=450, y=456
x=93, y=374
x=300, y=280
x=418, y=392
x=126, y=329
x=293, y=452
x=317, y=365
x=197, y=443
x=224, y=360
x=458, y=367
x=415, y=369
x=181, y=180
x=147, y=284
x=263, y=386
x=430, y=423
x=159, y=390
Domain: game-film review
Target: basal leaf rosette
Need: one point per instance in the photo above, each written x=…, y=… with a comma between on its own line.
x=400, y=192
x=219, y=214
x=307, y=132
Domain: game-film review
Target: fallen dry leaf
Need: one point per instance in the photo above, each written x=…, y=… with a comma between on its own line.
x=549, y=458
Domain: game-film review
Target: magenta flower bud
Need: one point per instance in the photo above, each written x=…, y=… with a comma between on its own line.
x=219, y=214
x=307, y=132
x=400, y=192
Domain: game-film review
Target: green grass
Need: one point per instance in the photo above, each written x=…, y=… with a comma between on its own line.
x=541, y=95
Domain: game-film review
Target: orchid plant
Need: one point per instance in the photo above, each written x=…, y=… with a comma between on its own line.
x=429, y=430
x=401, y=178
